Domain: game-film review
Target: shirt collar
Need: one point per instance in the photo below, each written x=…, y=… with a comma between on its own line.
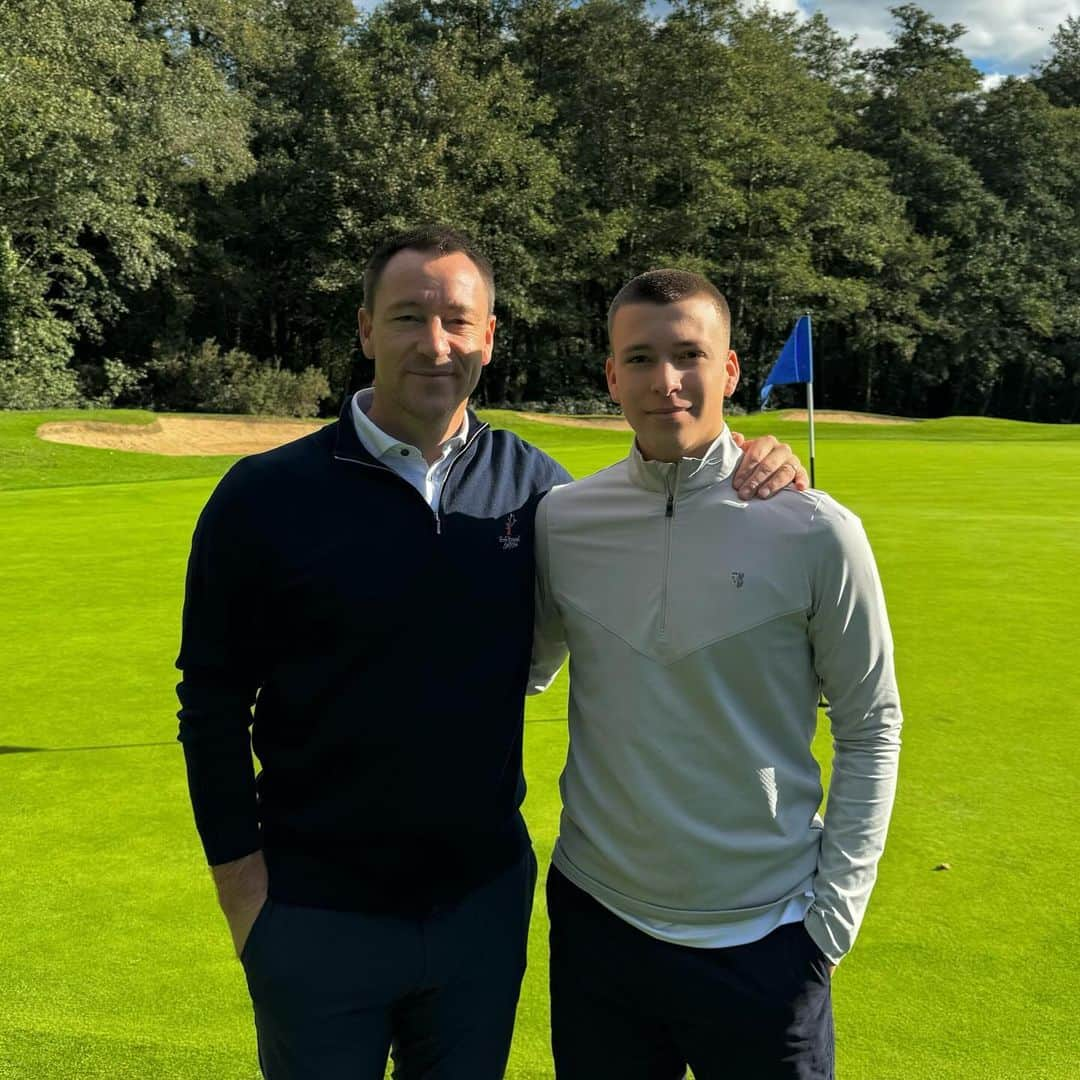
x=716, y=464
x=379, y=444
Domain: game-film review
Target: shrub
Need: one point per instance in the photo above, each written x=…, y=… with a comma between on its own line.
x=113, y=383
x=34, y=372
x=208, y=380
x=274, y=391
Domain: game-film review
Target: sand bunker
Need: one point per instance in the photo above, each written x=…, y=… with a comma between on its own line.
x=207, y=435
x=833, y=416
x=611, y=423
x=181, y=435
x=617, y=423
x=203, y=436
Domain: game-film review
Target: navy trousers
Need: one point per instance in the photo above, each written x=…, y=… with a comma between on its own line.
x=626, y=1005
x=335, y=991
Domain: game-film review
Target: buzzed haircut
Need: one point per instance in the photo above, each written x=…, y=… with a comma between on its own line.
x=432, y=239
x=669, y=287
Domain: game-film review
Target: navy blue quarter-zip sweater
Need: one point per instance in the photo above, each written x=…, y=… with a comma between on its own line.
x=386, y=650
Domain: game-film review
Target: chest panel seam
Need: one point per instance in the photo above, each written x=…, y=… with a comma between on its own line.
x=688, y=652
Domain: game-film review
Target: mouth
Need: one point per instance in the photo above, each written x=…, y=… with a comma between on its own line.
x=670, y=411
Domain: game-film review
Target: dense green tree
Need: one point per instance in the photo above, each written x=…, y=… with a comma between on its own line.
x=359, y=129
x=442, y=127
x=591, y=61
x=988, y=178
x=252, y=280
x=101, y=129
x=1026, y=152
x=709, y=141
x=186, y=179
x=1059, y=76
x=795, y=220
x=923, y=93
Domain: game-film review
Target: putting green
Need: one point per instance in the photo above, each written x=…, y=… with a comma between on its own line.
x=114, y=962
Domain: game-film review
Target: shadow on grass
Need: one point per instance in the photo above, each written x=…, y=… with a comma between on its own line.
x=69, y=749
x=169, y=742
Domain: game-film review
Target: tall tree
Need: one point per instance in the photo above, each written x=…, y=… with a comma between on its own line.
x=443, y=126
x=253, y=281
x=1059, y=76
x=708, y=141
x=1026, y=152
x=923, y=93
x=101, y=130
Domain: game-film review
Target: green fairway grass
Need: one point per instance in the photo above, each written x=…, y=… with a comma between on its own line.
x=116, y=964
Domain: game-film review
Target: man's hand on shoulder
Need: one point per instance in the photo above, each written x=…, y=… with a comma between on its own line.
x=767, y=466
x=242, y=890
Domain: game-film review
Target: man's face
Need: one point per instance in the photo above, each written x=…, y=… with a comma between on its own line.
x=429, y=335
x=670, y=370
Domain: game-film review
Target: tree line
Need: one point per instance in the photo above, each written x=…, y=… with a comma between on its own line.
x=189, y=190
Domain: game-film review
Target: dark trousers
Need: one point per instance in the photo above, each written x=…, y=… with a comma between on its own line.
x=335, y=991
x=626, y=1005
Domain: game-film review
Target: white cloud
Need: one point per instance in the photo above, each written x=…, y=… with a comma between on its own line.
x=1010, y=35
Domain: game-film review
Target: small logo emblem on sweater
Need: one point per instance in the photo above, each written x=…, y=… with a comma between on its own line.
x=737, y=578
x=508, y=541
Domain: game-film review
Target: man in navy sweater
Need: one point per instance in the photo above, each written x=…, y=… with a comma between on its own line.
x=369, y=590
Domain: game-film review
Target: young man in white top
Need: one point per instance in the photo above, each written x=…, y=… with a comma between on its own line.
x=698, y=901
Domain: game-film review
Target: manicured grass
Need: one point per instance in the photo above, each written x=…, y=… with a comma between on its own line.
x=114, y=962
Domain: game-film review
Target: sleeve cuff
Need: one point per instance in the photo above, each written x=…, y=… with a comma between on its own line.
x=817, y=928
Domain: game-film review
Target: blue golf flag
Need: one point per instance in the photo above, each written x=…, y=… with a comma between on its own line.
x=796, y=361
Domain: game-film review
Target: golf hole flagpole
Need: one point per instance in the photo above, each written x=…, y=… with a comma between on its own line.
x=795, y=364
x=810, y=389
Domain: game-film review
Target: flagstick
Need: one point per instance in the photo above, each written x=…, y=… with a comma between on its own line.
x=822, y=700
x=810, y=392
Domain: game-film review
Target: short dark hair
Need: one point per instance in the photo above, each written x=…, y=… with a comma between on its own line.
x=668, y=287
x=436, y=239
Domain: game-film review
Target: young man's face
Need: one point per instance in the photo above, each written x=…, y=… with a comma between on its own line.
x=430, y=335
x=670, y=369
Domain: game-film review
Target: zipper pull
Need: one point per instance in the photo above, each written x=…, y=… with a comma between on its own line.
x=670, y=511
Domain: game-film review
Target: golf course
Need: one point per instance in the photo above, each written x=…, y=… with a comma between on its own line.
x=115, y=963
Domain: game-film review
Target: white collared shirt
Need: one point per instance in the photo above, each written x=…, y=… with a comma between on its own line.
x=407, y=460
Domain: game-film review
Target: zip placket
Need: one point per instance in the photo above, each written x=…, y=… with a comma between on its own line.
x=446, y=479
x=436, y=511
x=669, y=519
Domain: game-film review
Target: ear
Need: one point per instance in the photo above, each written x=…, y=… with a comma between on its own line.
x=489, y=341
x=612, y=385
x=731, y=368
x=364, y=319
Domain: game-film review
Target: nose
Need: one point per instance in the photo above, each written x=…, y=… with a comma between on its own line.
x=436, y=344
x=668, y=380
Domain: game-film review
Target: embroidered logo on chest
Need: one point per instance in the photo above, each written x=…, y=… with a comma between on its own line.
x=737, y=578
x=508, y=541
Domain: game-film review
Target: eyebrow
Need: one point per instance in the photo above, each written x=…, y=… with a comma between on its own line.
x=646, y=347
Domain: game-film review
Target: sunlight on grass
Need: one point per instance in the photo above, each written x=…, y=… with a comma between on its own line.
x=116, y=963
